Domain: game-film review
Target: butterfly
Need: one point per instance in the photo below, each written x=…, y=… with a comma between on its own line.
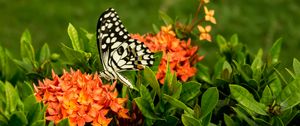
x=118, y=51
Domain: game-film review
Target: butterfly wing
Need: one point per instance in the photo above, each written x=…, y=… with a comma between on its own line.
x=118, y=51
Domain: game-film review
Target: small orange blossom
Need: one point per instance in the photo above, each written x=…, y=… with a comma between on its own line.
x=209, y=15
x=204, y=33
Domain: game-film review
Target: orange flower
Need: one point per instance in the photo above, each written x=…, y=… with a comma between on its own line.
x=167, y=29
x=204, y=33
x=205, y=1
x=82, y=98
x=180, y=53
x=209, y=15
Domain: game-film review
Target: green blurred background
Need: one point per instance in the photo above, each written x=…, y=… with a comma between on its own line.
x=257, y=22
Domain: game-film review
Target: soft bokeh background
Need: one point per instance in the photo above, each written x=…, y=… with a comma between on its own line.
x=257, y=22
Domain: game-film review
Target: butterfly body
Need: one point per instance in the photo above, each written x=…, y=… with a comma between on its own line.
x=118, y=51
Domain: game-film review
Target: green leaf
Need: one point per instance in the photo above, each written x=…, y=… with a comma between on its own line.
x=35, y=113
x=73, y=55
x=257, y=64
x=24, y=90
x=39, y=123
x=296, y=66
x=44, y=53
x=155, y=28
x=222, y=43
x=167, y=20
x=206, y=120
x=203, y=73
x=243, y=116
x=234, y=40
x=267, y=97
x=209, y=101
x=27, y=49
x=242, y=96
x=64, y=122
x=73, y=34
x=228, y=121
x=29, y=102
x=290, y=95
x=189, y=91
x=145, y=94
x=157, y=58
x=174, y=87
x=169, y=121
x=275, y=50
x=276, y=87
x=177, y=103
x=277, y=121
x=219, y=68
x=3, y=119
x=189, y=120
x=146, y=108
x=197, y=111
x=11, y=97
x=18, y=119
x=151, y=79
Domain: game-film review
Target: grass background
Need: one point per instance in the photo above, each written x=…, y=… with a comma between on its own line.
x=257, y=22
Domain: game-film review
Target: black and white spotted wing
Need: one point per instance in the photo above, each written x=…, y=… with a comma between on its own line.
x=118, y=51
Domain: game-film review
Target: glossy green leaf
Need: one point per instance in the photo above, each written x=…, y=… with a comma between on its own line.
x=167, y=20
x=205, y=121
x=146, y=108
x=145, y=94
x=39, y=123
x=219, y=68
x=290, y=95
x=242, y=96
x=243, y=116
x=24, y=90
x=11, y=97
x=222, y=43
x=288, y=115
x=29, y=102
x=189, y=120
x=73, y=55
x=203, y=73
x=174, y=87
x=35, y=113
x=276, y=121
x=73, y=34
x=177, y=103
x=151, y=79
x=209, y=101
x=157, y=58
x=44, y=53
x=267, y=96
x=18, y=119
x=234, y=40
x=275, y=50
x=27, y=49
x=169, y=121
x=228, y=121
x=3, y=119
x=257, y=65
x=296, y=66
x=276, y=87
x=197, y=111
x=155, y=28
x=189, y=91
x=64, y=122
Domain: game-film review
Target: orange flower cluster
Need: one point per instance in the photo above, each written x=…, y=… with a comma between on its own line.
x=82, y=98
x=182, y=56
